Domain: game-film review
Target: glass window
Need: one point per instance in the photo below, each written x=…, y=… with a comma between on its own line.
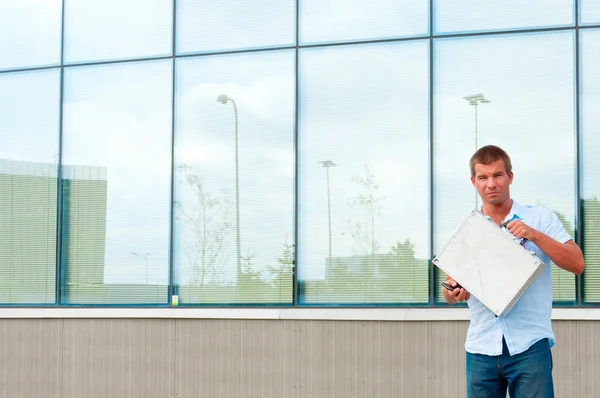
x=335, y=20
x=29, y=113
x=115, y=29
x=234, y=225
x=364, y=167
x=30, y=33
x=205, y=26
x=590, y=11
x=490, y=15
x=494, y=90
x=116, y=184
x=590, y=103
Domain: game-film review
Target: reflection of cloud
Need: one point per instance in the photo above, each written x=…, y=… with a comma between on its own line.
x=30, y=33
x=331, y=20
x=116, y=29
x=465, y=15
x=29, y=103
x=114, y=118
x=532, y=120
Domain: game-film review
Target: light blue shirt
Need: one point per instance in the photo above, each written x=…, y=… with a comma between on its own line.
x=530, y=319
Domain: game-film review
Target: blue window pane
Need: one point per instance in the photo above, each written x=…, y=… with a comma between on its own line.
x=364, y=167
x=30, y=33
x=534, y=121
x=234, y=230
x=29, y=114
x=490, y=15
x=116, y=184
x=590, y=103
x=333, y=20
x=590, y=11
x=205, y=26
x=116, y=29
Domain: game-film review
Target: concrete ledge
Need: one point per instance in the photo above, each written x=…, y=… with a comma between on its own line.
x=348, y=314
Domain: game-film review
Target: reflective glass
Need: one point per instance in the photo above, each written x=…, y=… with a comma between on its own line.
x=234, y=191
x=29, y=114
x=204, y=26
x=115, y=29
x=491, y=15
x=364, y=167
x=590, y=11
x=590, y=123
x=345, y=20
x=116, y=184
x=29, y=33
x=530, y=118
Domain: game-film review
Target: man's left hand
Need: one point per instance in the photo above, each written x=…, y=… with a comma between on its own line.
x=522, y=231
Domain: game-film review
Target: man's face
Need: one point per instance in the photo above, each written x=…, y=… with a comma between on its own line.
x=492, y=182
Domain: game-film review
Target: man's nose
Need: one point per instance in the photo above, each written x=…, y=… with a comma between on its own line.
x=491, y=183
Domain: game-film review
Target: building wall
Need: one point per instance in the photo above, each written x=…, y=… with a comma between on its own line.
x=260, y=358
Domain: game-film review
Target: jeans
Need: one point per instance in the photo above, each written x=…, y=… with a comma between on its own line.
x=524, y=375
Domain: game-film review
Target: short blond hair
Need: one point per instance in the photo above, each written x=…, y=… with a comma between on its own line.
x=489, y=154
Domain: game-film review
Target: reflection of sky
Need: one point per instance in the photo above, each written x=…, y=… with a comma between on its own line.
x=233, y=24
x=263, y=90
x=358, y=105
x=590, y=11
x=119, y=117
x=29, y=33
x=346, y=20
x=529, y=80
x=116, y=29
x=357, y=111
x=29, y=109
x=590, y=106
x=466, y=15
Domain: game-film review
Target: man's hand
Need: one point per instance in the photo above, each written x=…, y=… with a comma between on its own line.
x=522, y=231
x=456, y=295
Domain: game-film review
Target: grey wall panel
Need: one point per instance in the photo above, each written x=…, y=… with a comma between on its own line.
x=318, y=358
x=254, y=358
x=30, y=357
x=118, y=358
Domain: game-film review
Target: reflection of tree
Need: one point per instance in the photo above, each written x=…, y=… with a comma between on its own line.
x=590, y=217
x=364, y=232
x=395, y=277
x=281, y=274
x=208, y=217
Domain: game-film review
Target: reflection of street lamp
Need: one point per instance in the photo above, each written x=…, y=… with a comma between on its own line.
x=223, y=99
x=475, y=100
x=327, y=164
x=145, y=258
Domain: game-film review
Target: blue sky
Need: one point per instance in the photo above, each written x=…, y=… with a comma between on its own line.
x=359, y=105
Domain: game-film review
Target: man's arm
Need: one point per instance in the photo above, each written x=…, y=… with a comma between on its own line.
x=567, y=256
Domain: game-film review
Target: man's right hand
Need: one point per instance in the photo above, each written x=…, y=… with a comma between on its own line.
x=456, y=295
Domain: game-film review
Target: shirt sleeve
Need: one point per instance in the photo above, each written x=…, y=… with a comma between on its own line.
x=554, y=228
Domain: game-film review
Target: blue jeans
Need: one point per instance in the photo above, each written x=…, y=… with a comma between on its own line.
x=524, y=375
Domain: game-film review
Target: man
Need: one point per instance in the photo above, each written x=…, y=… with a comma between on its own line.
x=512, y=352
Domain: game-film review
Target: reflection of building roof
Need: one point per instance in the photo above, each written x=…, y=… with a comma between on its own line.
x=30, y=189
x=24, y=168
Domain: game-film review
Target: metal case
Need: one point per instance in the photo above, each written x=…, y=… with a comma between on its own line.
x=489, y=263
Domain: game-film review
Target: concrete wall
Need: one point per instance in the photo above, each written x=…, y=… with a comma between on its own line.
x=260, y=358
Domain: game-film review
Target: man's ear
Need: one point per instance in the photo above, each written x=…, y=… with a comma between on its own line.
x=473, y=180
x=511, y=176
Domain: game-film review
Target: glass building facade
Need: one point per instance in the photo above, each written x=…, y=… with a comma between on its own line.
x=281, y=152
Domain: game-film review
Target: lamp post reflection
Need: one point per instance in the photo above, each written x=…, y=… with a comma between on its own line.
x=223, y=99
x=327, y=164
x=474, y=100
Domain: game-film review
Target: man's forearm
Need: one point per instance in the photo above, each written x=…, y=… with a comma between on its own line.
x=567, y=255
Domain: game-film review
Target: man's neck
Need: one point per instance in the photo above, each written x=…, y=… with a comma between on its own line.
x=498, y=212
